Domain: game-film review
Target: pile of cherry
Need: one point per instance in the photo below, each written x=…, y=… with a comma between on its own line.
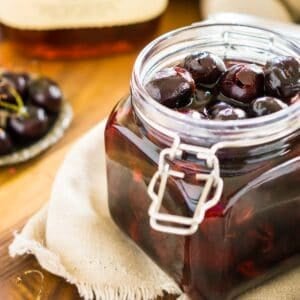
x=206, y=87
x=28, y=108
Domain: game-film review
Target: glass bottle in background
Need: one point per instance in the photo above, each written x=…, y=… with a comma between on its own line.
x=79, y=28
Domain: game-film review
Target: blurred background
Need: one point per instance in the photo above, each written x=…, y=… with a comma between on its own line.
x=86, y=28
x=280, y=10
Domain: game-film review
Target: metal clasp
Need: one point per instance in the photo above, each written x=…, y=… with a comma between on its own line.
x=175, y=224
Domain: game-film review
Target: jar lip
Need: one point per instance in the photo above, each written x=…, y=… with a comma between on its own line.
x=137, y=82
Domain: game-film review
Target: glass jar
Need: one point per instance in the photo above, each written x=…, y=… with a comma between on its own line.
x=215, y=204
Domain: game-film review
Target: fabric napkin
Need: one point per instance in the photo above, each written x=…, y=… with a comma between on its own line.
x=74, y=237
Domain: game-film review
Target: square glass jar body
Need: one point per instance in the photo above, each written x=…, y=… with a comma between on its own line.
x=252, y=233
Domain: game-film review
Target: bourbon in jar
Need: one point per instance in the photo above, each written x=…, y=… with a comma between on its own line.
x=80, y=28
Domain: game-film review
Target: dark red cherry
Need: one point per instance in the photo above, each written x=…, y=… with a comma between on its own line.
x=30, y=126
x=193, y=113
x=214, y=109
x=45, y=93
x=206, y=68
x=172, y=87
x=230, y=114
x=266, y=105
x=282, y=76
x=19, y=81
x=243, y=82
x=6, y=144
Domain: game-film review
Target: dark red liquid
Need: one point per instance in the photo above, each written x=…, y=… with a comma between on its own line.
x=251, y=235
x=77, y=43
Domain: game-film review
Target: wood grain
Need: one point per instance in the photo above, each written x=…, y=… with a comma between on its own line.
x=93, y=86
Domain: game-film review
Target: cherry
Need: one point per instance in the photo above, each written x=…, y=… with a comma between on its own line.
x=282, y=76
x=172, y=87
x=29, y=126
x=201, y=83
x=214, y=109
x=230, y=114
x=6, y=145
x=243, y=82
x=266, y=105
x=206, y=68
x=19, y=81
x=45, y=93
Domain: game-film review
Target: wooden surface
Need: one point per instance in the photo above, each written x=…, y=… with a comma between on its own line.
x=93, y=86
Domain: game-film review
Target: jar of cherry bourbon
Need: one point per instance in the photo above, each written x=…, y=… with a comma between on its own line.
x=79, y=28
x=203, y=157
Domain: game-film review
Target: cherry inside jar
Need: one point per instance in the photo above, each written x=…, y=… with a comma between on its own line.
x=251, y=233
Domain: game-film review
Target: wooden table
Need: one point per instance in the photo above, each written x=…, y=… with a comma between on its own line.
x=91, y=87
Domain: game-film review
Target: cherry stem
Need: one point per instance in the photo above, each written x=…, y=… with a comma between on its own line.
x=20, y=104
x=9, y=106
x=19, y=107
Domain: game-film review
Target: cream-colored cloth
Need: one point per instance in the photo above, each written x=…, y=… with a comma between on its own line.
x=267, y=9
x=74, y=237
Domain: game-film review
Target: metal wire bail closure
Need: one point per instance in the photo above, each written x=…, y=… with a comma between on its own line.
x=181, y=225
x=185, y=225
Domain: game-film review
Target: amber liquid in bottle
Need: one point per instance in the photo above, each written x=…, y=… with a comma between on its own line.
x=81, y=42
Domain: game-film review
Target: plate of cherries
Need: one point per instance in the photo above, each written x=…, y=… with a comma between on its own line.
x=33, y=115
x=205, y=86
